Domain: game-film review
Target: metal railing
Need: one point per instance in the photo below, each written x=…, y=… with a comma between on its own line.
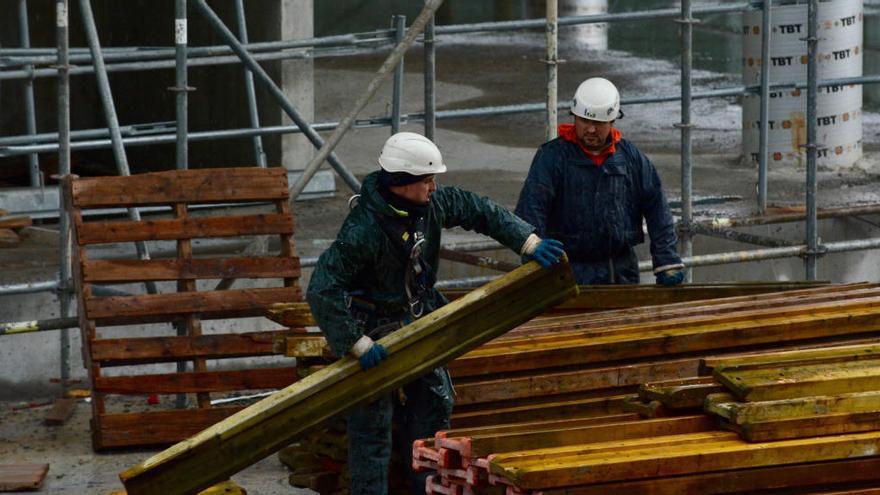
x=27, y=63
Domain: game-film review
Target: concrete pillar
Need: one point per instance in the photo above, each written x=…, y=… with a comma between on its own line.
x=297, y=81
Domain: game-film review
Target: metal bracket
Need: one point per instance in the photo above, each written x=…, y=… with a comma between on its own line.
x=178, y=89
x=688, y=20
x=682, y=125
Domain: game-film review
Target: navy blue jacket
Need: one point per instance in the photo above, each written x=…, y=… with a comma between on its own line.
x=597, y=211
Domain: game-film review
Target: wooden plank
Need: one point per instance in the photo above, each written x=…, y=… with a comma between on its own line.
x=265, y=427
x=597, y=464
x=120, y=271
x=482, y=445
x=155, y=427
x=197, y=381
x=739, y=413
x=834, y=302
x=740, y=481
x=603, y=297
x=291, y=314
x=708, y=363
x=684, y=393
x=22, y=476
x=182, y=186
x=825, y=355
x=15, y=222
x=302, y=346
x=804, y=427
x=126, y=351
x=540, y=411
x=544, y=383
x=60, y=412
x=685, y=339
x=553, y=424
x=789, y=382
x=164, y=307
x=102, y=232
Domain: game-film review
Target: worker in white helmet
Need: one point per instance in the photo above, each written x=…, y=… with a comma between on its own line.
x=590, y=188
x=379, y=274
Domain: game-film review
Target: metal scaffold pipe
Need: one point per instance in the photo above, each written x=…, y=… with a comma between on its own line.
x=430, y=79
x=686, y=23
x=250, y=91
x=812, y=98
x=182, y=83
x=764, y=138
x=29, y=107
x=276, y=92
x=393, y=58
x=399, y=24
x=552, y=28
x=63, y=67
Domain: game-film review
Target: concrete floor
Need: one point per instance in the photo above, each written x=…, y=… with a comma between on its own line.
x=489, y=156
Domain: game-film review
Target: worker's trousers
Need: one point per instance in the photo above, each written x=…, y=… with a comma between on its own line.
x=425, y=410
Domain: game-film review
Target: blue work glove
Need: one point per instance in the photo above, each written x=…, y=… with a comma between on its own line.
x=670, y=277
x=548, y=252
x=369, y=353
x=373, y=357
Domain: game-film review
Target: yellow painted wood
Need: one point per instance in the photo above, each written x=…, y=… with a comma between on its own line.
x=832, y=354
x=727, y=407
x=680, y=394
x=808, y=426
x=646, y=461
x=790, y=382
x=269, y=425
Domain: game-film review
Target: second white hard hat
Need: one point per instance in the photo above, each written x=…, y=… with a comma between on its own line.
x=411, y=153
x=597, y=99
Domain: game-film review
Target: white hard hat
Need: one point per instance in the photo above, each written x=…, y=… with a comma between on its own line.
x=411, y=153
x=597, y=99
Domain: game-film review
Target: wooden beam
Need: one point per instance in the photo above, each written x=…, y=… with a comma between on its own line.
x=727, y=407
x=22, y=476
x=122, y=271
x=197, y=381
x=676, y=455
x=155, y=427
x=104, y=232
x=165, y=307
x=264, y=428
x=804, y=380
x=740, y=481
x=136, y=350
x=181, y=186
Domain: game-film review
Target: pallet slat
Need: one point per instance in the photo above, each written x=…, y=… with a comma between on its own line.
x=156, y=427
x=126, y=351
x=121, y=271
x=198, y=381
x=186, y=228
x=163, y=307
x=182, y=186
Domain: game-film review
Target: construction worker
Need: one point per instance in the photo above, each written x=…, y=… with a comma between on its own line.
x=590, y=188
x=379, y=275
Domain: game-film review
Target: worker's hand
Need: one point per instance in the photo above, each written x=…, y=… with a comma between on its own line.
x=548, y=252
x=369, y=353
x=673, y=276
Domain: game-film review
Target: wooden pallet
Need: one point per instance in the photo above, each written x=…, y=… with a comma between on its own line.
x=179, y=301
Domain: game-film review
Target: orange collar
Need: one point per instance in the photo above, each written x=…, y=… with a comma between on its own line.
x=567, y=132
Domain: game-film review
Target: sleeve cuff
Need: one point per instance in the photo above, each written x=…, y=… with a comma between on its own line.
x=675, y=266
x=362, y=345
x=530, y=245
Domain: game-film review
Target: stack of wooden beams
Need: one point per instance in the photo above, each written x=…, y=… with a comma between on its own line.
x=313, y=465
x=563, y=385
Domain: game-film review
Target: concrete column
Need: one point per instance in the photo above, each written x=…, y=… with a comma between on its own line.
x=297, y=81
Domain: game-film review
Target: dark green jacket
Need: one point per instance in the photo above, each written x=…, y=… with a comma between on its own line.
x=363, y=261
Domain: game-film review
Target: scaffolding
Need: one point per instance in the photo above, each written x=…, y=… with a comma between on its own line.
x=27, y=63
